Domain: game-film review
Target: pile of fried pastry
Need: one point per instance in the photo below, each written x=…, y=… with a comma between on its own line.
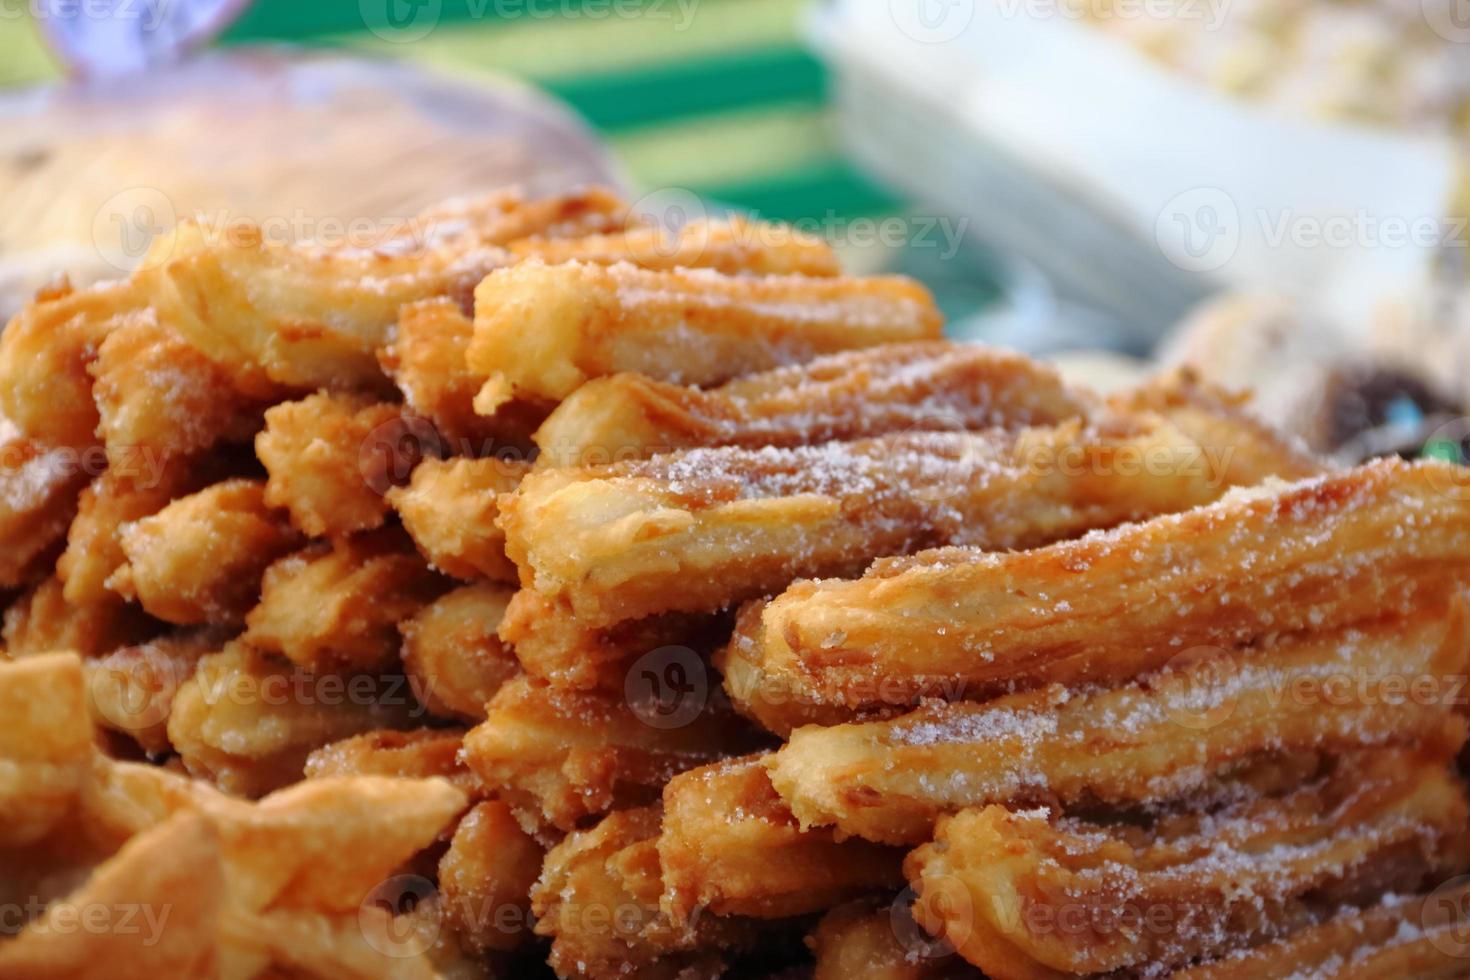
x=549, y=591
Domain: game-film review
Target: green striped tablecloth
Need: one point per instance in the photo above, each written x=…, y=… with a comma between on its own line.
x=728, y=102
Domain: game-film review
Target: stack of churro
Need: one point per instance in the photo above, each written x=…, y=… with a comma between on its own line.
x=548, y=592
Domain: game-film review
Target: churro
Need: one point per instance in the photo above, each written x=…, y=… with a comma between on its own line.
x=1315, y=554
x=553, y=647
x=425, y=357
x=361, y=587
x=452, y=655
x=39, y=494
x=733, y=245
x=730, y=845
x=542, y=330
x=1166, y=736
x=1419, y=936
x=934, y=386
x=247, y=723
x=598, y=900
x=560, y=756
x=699, y=530
x=486, y=877
x=201, y=558
x=295, y=317
x=1029, y=895
x=331, y=458
x=1251, y=451
x=450, y=509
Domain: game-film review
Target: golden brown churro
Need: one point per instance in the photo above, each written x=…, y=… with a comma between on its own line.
x=561, y=756
x=554, y=648
x=486, y=877
x=699, y=530
x=731, y=246
x=451, y=652
x=201, y=558
x=1421, y=936
x=364, y=586
x=922, y=387
x=1027, y=895
x=332, y=457
x=449, y=508
x=1163, y=737
x=542, y=330
x=598, y=900
x=729, y=845
x=295, y=316
x=45, y=389
x=1106, y=607
x=868, y=940
x=39, y=491
x=247, y=722
x=159, y=394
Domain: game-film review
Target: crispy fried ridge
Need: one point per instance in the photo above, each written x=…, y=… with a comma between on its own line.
x=1027, y=895
x=934, y=386
x=542, y=330
x=698, y=530
x=1106, y=607
x=1165, y=736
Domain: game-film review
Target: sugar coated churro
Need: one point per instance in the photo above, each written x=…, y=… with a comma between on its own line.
x=1319, y=553
x=542, y=330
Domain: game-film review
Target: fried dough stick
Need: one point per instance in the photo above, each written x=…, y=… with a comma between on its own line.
x=486, y=877
x=451, y=652
x=554, y=648
x=542, y=330
x=39, y=493
x=295, y=317
x=247, y=722
x=1106, y=607
x=868, y=940
x=449, y=507
x=699, y=530
x=1250, y=449
x=157, y=393
x=1003, y=886
x=933, y=386
x=598, y=900
x=506, y=216
x=44, y=354
x=201, y=558
x=1421, y=937
x=331, y=457
x=561, y=756
x=1162, y=737
x=425, y=357
x=336, y=606
x=729, y=845
x=731, y=246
